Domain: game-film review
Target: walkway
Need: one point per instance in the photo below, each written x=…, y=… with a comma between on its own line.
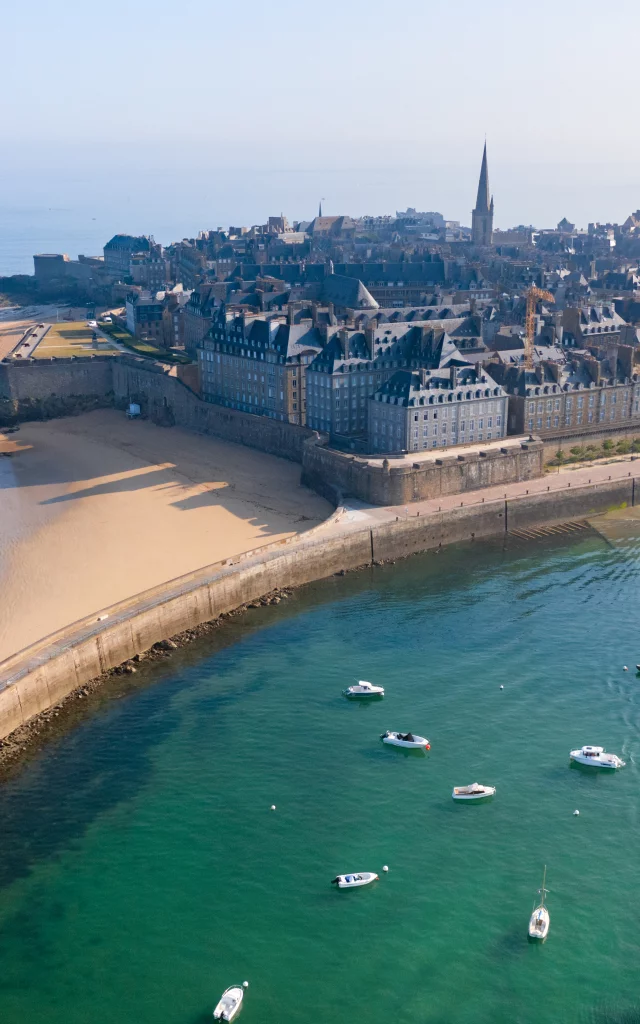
x=358, y=512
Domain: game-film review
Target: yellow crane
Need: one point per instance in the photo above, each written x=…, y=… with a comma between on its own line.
x=530, y=323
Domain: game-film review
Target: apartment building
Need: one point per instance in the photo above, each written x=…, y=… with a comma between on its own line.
x=258, y=365
x=419, y=409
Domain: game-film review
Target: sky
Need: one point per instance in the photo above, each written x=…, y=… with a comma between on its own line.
x=150, y=115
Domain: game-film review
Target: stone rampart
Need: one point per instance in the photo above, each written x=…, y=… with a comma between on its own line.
x=43, y=674
x=167, y=401
x=455, y=472
x=39, y=389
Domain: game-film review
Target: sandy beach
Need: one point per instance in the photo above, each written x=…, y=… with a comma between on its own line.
x=96, y=508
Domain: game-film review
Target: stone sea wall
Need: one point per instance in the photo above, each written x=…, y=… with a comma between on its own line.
x=452, y=473
x=166, y=400
x=43, y=389
x=42, y=675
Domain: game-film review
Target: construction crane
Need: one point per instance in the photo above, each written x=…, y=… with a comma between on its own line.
x=530, y=323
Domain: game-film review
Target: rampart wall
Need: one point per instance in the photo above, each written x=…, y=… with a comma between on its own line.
x=167, y=401
x=43, y=388
x=386, y=484
x=43, y=674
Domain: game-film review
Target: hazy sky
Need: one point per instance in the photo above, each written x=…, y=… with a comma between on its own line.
x=226, y=112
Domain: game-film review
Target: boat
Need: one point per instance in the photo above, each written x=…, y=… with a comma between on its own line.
x=596, y=757
x=364, y=689
x=230, y=1003
x=355, y=880
x=539, y=921
x=473, y=792
x=405, y=739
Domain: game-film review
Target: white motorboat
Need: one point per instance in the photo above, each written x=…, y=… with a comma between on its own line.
x=540, y=921
x=230, y=1003
x=354, y=880
x=364, y=689
x=405, y=739
x=596, y=757
x=473, y=792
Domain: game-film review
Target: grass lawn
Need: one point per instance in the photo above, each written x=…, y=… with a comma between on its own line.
x=142, y=348
x=71, y=339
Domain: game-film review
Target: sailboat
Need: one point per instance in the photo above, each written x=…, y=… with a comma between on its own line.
x=539, y=921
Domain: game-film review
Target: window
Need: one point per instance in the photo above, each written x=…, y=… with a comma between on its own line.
x=539, y=422
x=548, y=423
x=556, y=405
x=556, y=421
x=530, y=425
x=532, y=407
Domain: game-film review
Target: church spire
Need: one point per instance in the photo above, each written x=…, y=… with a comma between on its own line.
x=483, y=200
x=482, y=215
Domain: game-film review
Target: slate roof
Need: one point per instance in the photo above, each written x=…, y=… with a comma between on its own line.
x=347, y=292
x=407, y=387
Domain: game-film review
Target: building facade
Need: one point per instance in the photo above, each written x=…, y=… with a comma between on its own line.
x=258, y=365
x=354, y=363
x=419, y=409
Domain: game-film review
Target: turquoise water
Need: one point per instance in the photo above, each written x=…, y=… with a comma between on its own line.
x=142, y=870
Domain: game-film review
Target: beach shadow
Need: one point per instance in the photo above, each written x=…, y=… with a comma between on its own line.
x=151, y=478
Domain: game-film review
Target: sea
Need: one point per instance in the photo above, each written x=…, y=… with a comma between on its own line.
x=143, y=868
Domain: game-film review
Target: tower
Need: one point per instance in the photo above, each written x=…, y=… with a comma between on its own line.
x=482, y=216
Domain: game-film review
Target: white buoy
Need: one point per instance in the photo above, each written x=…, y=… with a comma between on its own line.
x=625, y=668
x=386, y=867
x=501, y=686
x=273, y=807
x=245, y=984
x=575, y=813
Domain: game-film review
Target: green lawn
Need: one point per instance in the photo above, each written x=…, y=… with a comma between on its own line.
x=71, y=339
x=142, y=348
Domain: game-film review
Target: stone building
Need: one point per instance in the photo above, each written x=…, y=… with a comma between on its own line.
x=258, y=365
x=418, y=409
x=198, y=316
x=482, y=216
x=354, y=363
x=119, y=250
x=582, y=395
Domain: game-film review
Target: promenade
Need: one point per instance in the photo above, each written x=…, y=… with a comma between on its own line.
x=357, y=513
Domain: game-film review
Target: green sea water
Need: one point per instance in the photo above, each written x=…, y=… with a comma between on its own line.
x=142, y=870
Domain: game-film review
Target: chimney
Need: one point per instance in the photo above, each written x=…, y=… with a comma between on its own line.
x=290, y=312
x=343, y=335
x=314, y=313
x=332, y=315
x=370, y=339
x=472, y=306
x=423, y=376
x=558, y=328
x=453, y=375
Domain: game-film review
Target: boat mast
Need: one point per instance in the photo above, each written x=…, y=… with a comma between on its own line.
x=543, y=890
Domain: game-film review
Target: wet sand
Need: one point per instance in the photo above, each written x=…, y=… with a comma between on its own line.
x=100, y=508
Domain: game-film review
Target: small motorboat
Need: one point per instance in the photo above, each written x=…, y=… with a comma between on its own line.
x=596, y=757
x=405, y=739
x=230, y=1003
x=473, y=792
x=354, y=880
x=364, y=689
x=539, y=921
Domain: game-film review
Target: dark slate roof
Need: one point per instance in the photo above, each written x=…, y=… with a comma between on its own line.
x=133, y=243
x=410, y=387
x=347, y=292
x=415, y=346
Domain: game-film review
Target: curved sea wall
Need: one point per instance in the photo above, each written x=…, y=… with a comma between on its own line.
x=42, y=675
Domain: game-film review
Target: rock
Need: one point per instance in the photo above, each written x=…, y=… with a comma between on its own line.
x=166, y=645
x=276, y=600
x=254, y=604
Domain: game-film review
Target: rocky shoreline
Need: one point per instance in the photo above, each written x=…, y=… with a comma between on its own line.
x=34, y=734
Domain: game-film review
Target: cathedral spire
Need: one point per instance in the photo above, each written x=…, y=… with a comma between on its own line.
x=482, y=215
x=482, y=202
